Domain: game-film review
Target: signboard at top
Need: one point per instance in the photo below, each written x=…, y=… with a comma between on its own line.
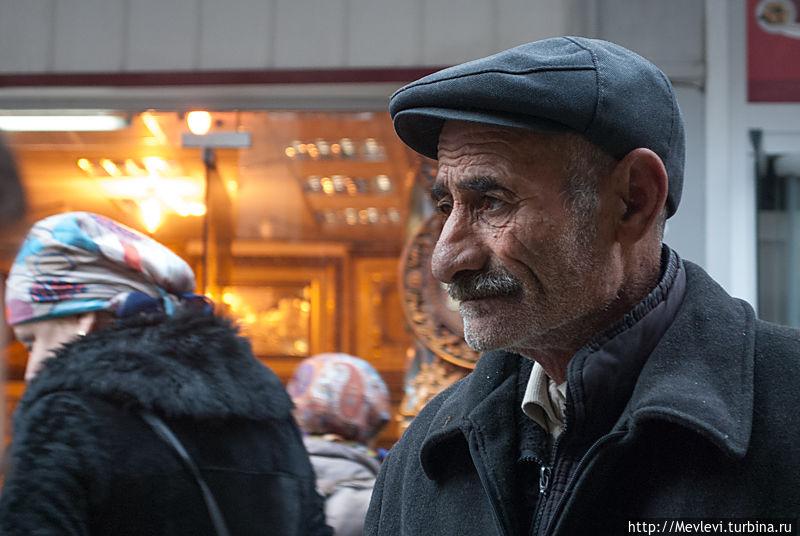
x=773, y=51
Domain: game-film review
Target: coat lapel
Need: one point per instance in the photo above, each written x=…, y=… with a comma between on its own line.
x=701, y=373
x=481, y=416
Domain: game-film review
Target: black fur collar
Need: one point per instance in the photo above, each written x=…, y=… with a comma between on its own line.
x=192, y=364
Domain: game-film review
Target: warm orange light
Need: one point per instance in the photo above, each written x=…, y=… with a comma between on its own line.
x=85, y=165
x=151, y=213
x=233, y=187
x=184, y=207
x=199, y=122
x=132, y=168
x=155, y=129
x=155, y=165
x=327, y=185
x=301, y=346
x=110, y=167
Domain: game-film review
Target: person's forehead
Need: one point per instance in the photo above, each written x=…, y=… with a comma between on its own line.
x=471, y=149
x=517, y=144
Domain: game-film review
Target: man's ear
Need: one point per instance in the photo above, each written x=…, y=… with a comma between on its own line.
x=643, y=187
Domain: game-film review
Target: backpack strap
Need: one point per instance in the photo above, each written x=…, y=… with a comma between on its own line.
x=163, y=431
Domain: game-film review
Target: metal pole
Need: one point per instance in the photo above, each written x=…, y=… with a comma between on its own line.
x=792, y=284
x=208, y=164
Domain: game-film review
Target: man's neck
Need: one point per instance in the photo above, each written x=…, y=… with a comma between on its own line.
x=554, y=350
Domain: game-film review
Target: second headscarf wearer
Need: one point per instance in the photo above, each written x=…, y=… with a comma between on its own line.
x=342, y=404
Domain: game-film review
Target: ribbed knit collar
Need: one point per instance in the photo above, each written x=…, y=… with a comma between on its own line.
x=601, y=376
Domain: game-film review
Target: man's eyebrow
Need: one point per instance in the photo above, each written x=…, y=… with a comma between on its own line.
x=439, y=192
x=480, y=184
x=472, y=184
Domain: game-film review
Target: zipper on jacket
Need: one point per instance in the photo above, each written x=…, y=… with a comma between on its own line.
x=544, y=480
x=545, y=474
x=571, y=482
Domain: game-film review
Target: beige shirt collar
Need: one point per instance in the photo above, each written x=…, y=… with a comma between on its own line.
x=544, y=401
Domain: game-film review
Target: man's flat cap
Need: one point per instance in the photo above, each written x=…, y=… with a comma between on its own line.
x=614, y=97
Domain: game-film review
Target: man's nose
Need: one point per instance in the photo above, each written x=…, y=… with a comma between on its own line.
x=459, y=248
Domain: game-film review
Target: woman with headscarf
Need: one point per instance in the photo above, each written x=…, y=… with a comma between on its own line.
x=342, y=404
x=117, y=341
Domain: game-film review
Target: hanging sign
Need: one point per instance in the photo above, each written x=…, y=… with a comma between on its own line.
x=773, y=51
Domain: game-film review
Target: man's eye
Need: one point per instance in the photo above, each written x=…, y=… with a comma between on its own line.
x=444, y=207
x=492, y=203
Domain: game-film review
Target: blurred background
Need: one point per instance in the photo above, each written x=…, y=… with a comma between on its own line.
x=299, y=209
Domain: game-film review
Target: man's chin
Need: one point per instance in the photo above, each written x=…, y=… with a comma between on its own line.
x=486, y=306
x=484, y=344
x=483, y=338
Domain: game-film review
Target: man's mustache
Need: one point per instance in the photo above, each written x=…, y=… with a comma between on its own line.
x=473, y=284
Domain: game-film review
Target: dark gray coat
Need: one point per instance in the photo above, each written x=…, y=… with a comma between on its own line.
x=711, y=429
x=84, y=463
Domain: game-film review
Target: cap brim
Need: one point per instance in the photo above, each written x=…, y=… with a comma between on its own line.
x=419, y=128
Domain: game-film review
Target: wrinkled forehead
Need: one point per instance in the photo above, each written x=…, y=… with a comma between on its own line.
x=468, y=150
x=499, y=141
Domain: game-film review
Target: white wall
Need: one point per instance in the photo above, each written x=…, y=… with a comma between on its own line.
x=731, y=204
x=67, y=36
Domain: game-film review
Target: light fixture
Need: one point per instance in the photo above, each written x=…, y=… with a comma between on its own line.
x=151, y=123
x=61, y=122
x=151, y=213
x=154, y=185
x=199, y=122
x=368, y=216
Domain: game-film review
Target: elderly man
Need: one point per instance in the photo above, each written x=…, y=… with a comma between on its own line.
x=619, y=383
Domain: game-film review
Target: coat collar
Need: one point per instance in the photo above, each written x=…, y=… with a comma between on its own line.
x=191, y=364
x=485, y=401
x=700, y=375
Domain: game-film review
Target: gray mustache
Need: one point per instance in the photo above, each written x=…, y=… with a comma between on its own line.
x=473, y=285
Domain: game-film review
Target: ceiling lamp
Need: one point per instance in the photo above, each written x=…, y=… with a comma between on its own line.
x=150, y=209
x=199, y=122
x=153, y=184
x=56, y=122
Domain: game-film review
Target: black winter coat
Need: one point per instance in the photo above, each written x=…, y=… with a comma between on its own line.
x=85, y=463
x=710, y=430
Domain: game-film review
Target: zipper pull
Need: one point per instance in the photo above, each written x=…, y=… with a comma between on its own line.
x=544, y=480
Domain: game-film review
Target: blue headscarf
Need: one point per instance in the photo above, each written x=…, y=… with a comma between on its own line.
x=78, y=262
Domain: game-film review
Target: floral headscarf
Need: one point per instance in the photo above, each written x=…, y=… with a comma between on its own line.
x=336, y=393
x=78, y=262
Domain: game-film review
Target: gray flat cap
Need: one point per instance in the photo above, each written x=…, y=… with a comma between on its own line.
x=614, y=97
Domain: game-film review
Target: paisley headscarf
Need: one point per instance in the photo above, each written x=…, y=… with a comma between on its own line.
x=336, y=393
x=78, y=262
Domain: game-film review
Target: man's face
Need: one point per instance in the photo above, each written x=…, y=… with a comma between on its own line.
x=527, y=272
